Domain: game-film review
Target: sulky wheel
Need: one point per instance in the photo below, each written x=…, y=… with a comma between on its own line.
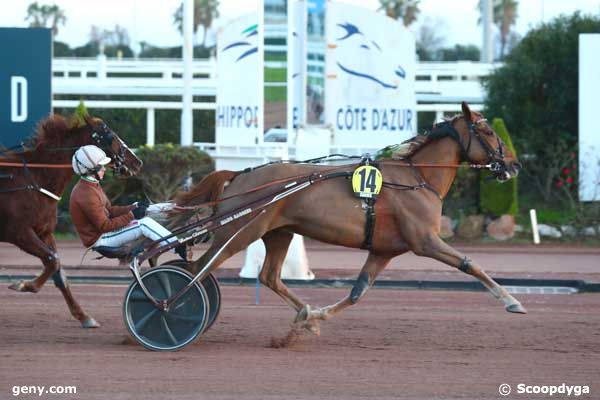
x=171, y=329
x=211, y=286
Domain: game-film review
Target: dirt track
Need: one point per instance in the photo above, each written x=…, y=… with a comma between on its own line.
x=395, y=344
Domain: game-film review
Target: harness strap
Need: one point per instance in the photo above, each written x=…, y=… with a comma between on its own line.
x=369, y=224
x=32, y=186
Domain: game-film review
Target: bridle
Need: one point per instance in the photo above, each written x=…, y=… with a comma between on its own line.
x=103, y=137
x=495, y=157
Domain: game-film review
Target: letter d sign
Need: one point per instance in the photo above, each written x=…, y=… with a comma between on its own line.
x=18, y=99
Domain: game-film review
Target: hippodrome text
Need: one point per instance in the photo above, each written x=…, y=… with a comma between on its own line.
x=237, y=116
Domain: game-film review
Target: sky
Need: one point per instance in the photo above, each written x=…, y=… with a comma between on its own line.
x=151, y=20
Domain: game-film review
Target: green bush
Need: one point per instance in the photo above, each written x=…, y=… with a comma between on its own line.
x=167, y=166
x=498, y=198
x=463, y=197
x=536, y=93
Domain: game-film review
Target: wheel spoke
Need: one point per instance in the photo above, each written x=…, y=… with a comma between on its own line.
x=139, y=326
x=168, y=330
x=165, y=283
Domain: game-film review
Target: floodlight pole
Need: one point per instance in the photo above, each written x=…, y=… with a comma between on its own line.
x=487, y=50
x=187, y=118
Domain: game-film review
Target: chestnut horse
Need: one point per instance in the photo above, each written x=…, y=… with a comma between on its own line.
x=328, y=211
x=29, y=216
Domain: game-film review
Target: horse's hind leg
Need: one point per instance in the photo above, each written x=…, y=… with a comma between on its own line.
x=369, y=272
x=434, y=247
x=277, y=243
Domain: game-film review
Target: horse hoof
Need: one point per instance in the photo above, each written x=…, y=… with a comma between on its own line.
x=17, y=286
x=303, y=314
x=313, y=327
x=89, y=322
x=20, y=287
x=516, y=308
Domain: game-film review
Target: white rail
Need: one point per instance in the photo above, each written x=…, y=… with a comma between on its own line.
x=436, y=82
x=439, y=88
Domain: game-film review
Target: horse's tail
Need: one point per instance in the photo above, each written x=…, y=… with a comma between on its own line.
x=207, y=190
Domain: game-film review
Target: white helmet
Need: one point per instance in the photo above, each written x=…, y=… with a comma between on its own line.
x=88, y=159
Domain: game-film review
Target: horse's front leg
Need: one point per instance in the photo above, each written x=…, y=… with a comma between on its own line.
x=434, y=247
x=45, y=250
x=60, y=281
x=369, y=272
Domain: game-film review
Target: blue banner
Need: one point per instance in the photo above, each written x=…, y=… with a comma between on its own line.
x=25, y=82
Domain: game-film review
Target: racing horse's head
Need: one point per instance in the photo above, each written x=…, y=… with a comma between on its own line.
x=481, y=145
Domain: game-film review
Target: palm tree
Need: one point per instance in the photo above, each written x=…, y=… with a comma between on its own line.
x=505, y=16
x=40, y=15
x=407, y=10
x=205, y=12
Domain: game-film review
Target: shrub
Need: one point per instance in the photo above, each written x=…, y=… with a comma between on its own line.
x=463, y=197
x=536, y=93
x=167, y=166
x=498, y=198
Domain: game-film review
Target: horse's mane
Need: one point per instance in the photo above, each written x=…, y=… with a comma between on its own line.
x=411, y=146
x=407, y=148
x=49, y=133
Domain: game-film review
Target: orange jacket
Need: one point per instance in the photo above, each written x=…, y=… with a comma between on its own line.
x=92, y=213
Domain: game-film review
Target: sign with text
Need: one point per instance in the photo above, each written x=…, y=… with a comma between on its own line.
x=25, y=82
x=370, y=77
x=239, y=113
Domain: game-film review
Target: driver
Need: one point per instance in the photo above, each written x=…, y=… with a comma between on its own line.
x=97, y=221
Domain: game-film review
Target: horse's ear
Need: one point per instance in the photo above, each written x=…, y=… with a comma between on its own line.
x=88, y=119
x=466, y=111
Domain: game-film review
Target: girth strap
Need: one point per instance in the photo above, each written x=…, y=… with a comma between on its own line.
x=369, y=225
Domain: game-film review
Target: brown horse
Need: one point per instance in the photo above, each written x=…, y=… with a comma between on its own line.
x=29, y=216
x=328, y=211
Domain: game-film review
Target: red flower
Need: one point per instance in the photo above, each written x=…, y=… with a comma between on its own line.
x=559, y=183
x=566, y=171
x=570, y=180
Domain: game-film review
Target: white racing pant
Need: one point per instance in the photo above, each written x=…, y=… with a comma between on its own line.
x=146, y=227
